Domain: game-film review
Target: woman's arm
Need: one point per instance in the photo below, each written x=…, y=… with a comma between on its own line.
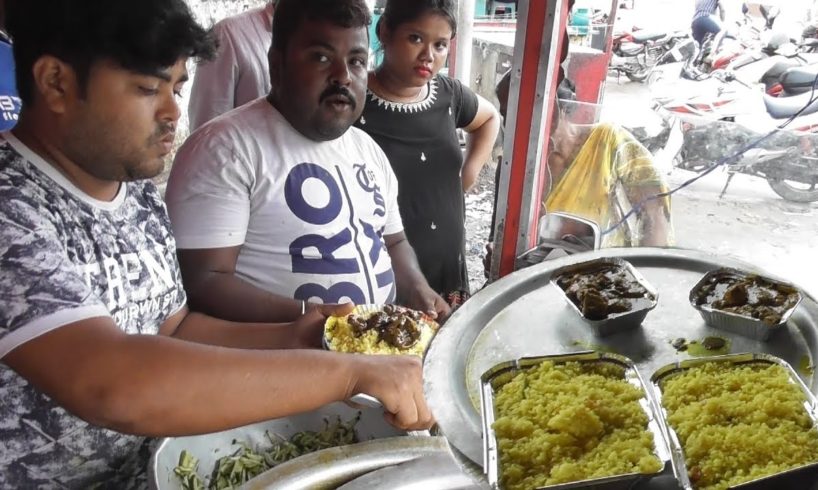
x=482, y=133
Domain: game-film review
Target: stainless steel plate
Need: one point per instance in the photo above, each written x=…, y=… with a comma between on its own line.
x=522, y=315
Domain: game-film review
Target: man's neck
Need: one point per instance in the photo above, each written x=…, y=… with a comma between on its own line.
x=30, y=133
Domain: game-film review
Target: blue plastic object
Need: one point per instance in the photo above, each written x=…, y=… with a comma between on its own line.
x=9, y=101
x=581, y=20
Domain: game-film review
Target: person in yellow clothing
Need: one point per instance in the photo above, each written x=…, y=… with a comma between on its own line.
x=600, y=172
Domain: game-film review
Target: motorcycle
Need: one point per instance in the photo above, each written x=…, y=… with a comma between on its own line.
x=635, y=53
x=768, y=65
x=794, y=81
x=727, y=120
x=718, y=50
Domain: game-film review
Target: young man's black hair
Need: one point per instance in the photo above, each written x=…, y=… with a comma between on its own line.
x=290, y=13
x=153, y=35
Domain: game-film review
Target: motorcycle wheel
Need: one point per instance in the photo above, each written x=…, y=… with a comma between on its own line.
x=638, y=76
x=786, y=189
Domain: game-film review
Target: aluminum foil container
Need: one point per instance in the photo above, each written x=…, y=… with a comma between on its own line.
x=616, y=322
x=804, y=477
x=491, y=456
x=733, y=322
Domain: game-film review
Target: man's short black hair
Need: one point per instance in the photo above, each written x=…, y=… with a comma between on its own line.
x=289, y=14
x=144, y=36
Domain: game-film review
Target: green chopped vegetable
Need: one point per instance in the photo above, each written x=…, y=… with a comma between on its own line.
x=245, y=463
x=186, y=471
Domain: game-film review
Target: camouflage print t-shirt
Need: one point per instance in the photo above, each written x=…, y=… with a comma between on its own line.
x=66, y=257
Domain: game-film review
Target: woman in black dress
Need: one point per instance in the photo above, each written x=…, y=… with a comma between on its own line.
x=413, y=113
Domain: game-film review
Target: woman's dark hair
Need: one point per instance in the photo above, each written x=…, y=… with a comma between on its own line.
x=289, y=15
x=399, y=12
x=144, y=36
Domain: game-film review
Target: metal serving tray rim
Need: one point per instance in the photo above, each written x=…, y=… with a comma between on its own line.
x=785, y=317
x=654, y=293
x=676, y=449
x=491, y=459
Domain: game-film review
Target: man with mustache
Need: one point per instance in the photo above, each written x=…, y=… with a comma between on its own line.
x=281, y=204
x=98, y=350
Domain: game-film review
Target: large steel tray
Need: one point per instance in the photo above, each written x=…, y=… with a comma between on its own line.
x=523, y=315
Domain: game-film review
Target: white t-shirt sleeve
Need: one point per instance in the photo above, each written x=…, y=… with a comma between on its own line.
x=210, y=190
x=394, y=223
x=214, y=85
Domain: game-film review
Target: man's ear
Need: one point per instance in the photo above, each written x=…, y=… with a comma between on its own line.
x=55, y=83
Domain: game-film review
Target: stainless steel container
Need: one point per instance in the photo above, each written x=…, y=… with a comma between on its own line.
x=208, y=448
x=732, y=322
x=617, y=322
x=802, y=478
x=491, y=456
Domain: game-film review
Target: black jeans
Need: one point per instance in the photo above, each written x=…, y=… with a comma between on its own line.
x=702, y=26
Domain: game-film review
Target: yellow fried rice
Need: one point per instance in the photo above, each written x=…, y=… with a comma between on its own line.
x=737, y=423
x=341, y=338
x=558, y=423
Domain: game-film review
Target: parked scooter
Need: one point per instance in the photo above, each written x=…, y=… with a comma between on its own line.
x=794, y=81
x=635, y=53
x=717, y=51
x=726, y=120
x=765, y=66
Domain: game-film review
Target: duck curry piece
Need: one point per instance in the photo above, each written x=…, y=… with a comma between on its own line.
x=396, y=326
x=747, y=295
x=604, y=291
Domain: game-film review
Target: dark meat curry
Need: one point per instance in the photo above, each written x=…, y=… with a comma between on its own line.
x=747, y=295
x=396, y=326
x=604, y=291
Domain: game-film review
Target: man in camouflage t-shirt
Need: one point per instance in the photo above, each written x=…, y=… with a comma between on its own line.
x=97, y=347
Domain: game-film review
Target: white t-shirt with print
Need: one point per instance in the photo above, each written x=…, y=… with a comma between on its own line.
x=309, y=216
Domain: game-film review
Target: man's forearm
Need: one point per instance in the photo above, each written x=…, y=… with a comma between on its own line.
x=190, y=389
x=654, y=228
x=406, y=267
x=203, y=329
x=223, y=295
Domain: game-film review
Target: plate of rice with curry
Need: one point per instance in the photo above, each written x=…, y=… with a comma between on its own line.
x=380, y=329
